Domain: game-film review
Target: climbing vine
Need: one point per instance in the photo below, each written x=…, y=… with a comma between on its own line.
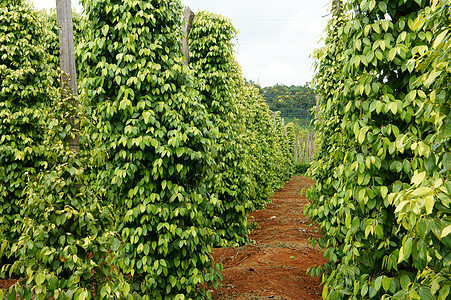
x=149, y=121
x=378, y=123
x=24, y=94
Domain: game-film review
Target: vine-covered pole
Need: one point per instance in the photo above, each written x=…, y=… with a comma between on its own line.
x=275, y=124
x=67, y=60
x=296, y=158
x=284, y=129
x=186, y=28
x=337, y=6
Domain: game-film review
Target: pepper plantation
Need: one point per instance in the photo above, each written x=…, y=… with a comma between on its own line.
x=172, y=157
x=175, y=152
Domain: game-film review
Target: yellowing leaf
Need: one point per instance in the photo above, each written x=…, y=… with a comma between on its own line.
x=384, y=191
x=422, y=191
x=418, y=178
x=439, y=39
x=446, y=231
x=430, y=202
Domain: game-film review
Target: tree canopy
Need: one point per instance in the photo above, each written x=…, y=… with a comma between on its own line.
x=292, y=101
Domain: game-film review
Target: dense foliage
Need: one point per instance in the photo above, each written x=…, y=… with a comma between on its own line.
x=382, y=188
x=158, y=138
x=172, y=159
x=54, y=228
x=270, y=168
x=65, y=246
x=213, y=60
x=24, y=94
x=234, y=107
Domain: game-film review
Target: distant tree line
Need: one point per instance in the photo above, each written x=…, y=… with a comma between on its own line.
x=293, y=102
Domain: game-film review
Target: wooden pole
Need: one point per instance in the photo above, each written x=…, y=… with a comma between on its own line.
x=285, y=129
x=186, y=28
x=67, y=60
x=275, y=124
x=301, y=150
x=337, y=6
x=312, y=145
x=295, y=151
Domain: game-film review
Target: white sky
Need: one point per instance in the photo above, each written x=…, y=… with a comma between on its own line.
x=276, y=38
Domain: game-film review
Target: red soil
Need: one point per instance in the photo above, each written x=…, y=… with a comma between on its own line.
x=274, y=267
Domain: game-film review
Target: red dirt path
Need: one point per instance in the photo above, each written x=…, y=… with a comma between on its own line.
x=275, y=266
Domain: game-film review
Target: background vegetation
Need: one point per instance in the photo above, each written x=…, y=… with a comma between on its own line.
x=293, y=102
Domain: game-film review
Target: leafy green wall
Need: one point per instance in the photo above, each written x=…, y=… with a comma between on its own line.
x=381, y=196
x=24, y=94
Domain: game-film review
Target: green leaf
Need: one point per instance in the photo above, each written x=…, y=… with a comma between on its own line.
x=384, y=191
x=386, y=283
x=392, y=54
x=407, y=247
x=422, y=191
x=126, y=289
x=430, y=203
x=405, y=281
x=382, y=6
x=39, y=278
x=447, y=160
x=378, y=283
x=425, y=294
x=444, y=292
x=105, y=29
x=418, y=178
x=53, y=283
x=364, y=290
x=422, y=228
x=348, y=221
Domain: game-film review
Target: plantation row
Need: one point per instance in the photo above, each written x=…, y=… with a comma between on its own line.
x=172, y=157
x=383, y=167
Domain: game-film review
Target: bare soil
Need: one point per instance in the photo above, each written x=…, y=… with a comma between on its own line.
x=275, y=266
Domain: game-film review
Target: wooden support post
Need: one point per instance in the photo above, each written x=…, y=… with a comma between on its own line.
x=337, y=6
x=285, y=130
x=312, y=146
x=275, y=124
x=68, y=71
x=295, y=151
x=317, y=107
x=186, y=28
x=301, y=150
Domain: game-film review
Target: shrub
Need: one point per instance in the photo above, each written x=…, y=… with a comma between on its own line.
x=301, y=169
